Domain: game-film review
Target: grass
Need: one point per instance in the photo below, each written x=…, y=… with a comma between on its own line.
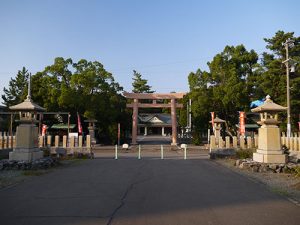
x=244, y=153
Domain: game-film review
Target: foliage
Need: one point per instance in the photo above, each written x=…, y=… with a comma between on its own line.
x=139, y=84
x=244, y=153
x=237, y=76
x=84, y=87
x=17, y=90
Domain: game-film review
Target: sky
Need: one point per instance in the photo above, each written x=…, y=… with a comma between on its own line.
x=164, y=40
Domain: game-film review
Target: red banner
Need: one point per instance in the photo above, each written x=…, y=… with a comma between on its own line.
x=242, y=123
x=212, y=118
x=79, y=124
x=44, y=129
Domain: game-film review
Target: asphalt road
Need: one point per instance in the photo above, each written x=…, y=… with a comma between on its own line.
x=147, y=191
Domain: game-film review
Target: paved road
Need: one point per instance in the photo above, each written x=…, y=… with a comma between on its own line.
x=147, y=191
x=154, y=140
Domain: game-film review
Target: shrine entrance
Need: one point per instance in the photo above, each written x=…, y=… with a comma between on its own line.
x=169, y=101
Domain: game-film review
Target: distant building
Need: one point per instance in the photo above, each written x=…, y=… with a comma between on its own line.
x=154, y=124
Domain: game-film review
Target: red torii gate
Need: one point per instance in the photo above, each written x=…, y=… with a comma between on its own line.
x=154, y=96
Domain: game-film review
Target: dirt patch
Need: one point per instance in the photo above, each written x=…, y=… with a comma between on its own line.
x=287, y=185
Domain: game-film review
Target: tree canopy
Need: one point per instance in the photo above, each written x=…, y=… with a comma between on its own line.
x=139, y=84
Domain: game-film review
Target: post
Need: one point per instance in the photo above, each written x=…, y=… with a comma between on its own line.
x=174, y=121
x=116, y=152
x=190, y=114
x=56, y=142
x=64, y=141
x=134, y=121
x=161, y=152
x=139, y=155
x=119, y=133
x=185, y=152
x=287, y=44
x=227, y=142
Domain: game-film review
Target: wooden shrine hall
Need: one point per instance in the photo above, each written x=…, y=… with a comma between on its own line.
x=137, y=103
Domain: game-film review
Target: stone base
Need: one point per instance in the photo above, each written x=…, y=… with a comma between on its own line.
x=27, y=155
x=269, y=158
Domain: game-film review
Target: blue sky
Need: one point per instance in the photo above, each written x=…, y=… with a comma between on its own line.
x=163, y=40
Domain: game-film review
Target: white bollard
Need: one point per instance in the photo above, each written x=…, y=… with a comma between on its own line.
x=161, y=152
x=185, y=152
x=139, y=156
x=116, y=152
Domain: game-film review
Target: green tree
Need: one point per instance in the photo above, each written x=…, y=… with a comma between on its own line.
x=139, y=84
x=272, y=77
x=17, y=88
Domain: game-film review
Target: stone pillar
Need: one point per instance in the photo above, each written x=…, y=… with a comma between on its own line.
x=212, y=142
x=249, y=142
x=298, y=143
x=242, y=142
x=234, y=142
x=221, y=142
x=14, y=141
x=174, y=121
x=88, y=141
x=9, y=141
x=295, y=143
x=41, y=141
x=56, y=141
x=80, y=141
x=134, y=121
x=287, y=142
x=163, y=131
x=283, y=140
x=255, y=141
x=227, y=140
x=291, y=140
x=146, y=131
x=49, y=140
x=65, y=141
x=72, y=142
x=1, y=142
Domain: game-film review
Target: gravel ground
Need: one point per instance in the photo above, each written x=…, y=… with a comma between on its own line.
x=284, y=184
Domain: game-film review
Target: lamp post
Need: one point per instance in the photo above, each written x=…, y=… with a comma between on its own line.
x=288, y=43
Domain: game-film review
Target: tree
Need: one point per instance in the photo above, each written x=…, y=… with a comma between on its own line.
x=140, y=85
x=17, y=88
x=272, y=79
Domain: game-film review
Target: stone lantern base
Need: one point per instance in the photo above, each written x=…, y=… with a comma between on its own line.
x=27, y=155
x=26, y=144
x=269, y=146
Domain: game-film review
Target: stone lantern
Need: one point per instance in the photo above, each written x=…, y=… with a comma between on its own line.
x=217, y=127
x=269, y=142
x=27, y=132
x=92, y=129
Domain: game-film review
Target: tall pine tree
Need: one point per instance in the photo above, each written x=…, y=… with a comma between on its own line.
x=17, y=90
x=139, y=84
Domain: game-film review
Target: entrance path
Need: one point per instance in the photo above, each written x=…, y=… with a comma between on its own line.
x=154, y=140
x=148, y=191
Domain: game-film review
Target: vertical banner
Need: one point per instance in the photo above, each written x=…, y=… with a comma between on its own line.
x=44, y=129
x=79, y=124
x=212, y=118
x=242, y=123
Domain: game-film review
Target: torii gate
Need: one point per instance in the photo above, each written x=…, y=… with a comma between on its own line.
x=154, y=96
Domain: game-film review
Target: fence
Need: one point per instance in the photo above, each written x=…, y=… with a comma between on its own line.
x=233, y=142
x=292, y=143
x=6, y=141
x=71, y=145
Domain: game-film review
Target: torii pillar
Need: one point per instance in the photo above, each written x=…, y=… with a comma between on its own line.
x=135, y=121
x=153, y=96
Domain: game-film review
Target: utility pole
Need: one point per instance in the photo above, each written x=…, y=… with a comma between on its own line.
x=288, y=43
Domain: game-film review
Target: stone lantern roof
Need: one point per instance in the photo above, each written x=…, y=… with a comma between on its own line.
x=218, y=120
x=269, y=106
